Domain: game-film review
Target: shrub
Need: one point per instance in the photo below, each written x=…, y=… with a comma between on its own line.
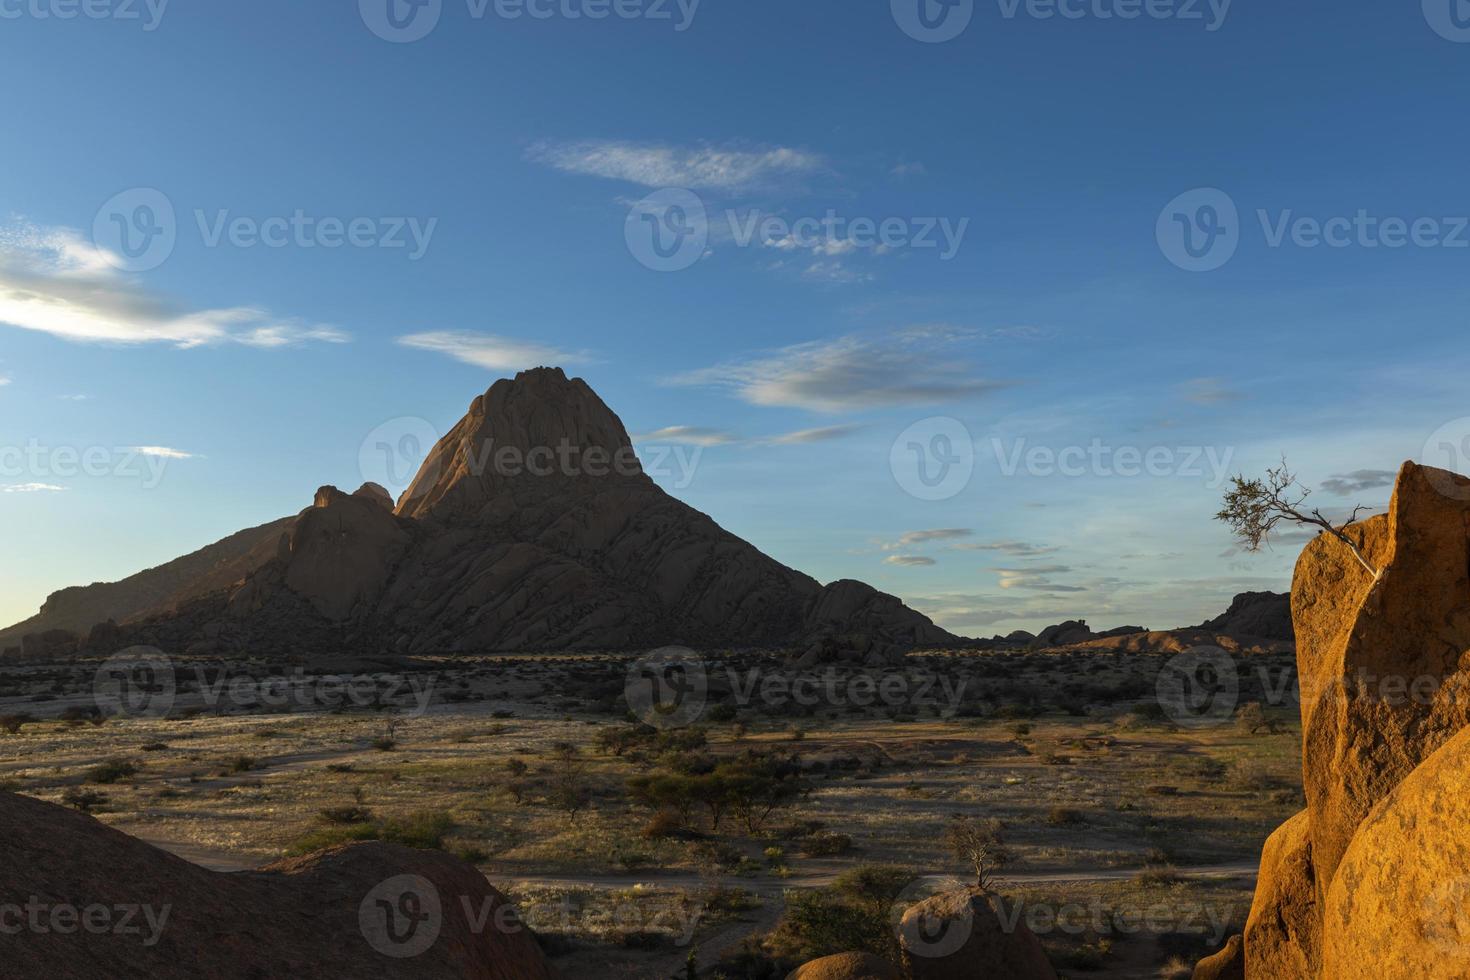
x=385, y=743
x=84, y=800
x=424, y=830
x=662, y=824
x=11, y=724
x=1061, y=816
x=111, y=771
x=346, y=814
x=826, y=844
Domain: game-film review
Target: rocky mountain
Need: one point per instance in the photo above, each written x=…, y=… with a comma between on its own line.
x=361, y=910
x=1370, y=879
x=156, y=590
x=530, y=526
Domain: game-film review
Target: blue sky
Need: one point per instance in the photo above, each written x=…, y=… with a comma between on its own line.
x=498, y=171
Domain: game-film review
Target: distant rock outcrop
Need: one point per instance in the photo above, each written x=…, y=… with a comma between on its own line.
x=1372, y=877
x=364, y=910
x=1263, y=614
x=530, y=526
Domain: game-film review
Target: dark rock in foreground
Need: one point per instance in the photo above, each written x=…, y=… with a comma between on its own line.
x=96, y=904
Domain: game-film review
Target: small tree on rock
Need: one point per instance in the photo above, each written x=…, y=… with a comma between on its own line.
x=1254, y=508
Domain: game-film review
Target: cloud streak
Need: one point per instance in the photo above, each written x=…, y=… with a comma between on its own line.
x=1358, y=481
x=54, y=281
x=909, y=561
x=661, y=165
x=691, y=435
x=488, y=350
x=31, y=488
x=849, y=373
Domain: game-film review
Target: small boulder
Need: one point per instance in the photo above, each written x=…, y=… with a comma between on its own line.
x=847, y=966
x=970, y=934
x=1227, y=964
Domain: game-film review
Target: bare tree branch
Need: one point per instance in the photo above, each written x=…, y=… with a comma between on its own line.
x=1254, y=508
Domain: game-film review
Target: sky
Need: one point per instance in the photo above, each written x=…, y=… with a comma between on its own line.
x=978, y=301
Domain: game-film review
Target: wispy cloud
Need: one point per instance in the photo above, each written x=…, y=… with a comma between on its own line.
x=805, y=436
x=1036, y=578
x=1209, y=391
x=692, y=435
x=73, y=398
x=911, y=538
x=912, y=561
x=31, y=488
x=1016, y=549
x=848, y=373
x=696, y=435
x=54, y=281
x=661, y=165
x=4, y=381
x=490, y=350
x=1358, y=481
x=163, y=452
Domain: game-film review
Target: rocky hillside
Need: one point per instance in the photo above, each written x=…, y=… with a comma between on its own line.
x=364, y=910
x=1370, y=880
x=77, y=609
x=530, y=526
